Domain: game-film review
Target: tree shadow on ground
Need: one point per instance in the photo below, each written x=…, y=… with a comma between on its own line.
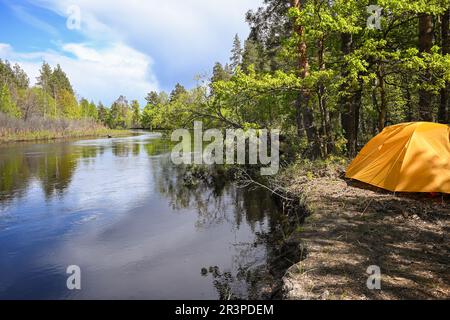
x=354, y=226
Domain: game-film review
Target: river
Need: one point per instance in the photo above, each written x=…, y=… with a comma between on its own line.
x=122, y=212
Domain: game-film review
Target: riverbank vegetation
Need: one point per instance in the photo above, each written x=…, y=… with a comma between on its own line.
x=318, y=71
x=37, y=128
x=51, y=110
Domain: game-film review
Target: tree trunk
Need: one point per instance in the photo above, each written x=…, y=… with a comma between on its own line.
x=382, y=111
x=304, y=112
x=425, y=45
x=443, y=116
x=350, y=102
x=409, y=110
x=327, y=146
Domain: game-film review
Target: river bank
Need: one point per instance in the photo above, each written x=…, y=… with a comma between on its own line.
x=49, y=135
x=41, y=129
x=351, y=226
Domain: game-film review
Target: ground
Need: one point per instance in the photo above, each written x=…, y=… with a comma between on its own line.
x=352, y=226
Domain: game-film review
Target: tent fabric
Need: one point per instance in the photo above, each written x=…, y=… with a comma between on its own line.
x=409, y=157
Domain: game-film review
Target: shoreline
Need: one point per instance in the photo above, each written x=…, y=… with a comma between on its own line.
x=49, y=137
x=352, y=226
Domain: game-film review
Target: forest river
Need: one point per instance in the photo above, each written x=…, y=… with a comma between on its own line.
x=121, y=211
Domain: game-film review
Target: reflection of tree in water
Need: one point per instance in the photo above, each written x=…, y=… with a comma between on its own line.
x=14, y=175
x=257, y=268
x=157, y=147
x=55, y=172
x=223, y=282
x=125, y=150
x=256, y=265
x=210, y=192
x=53, y=167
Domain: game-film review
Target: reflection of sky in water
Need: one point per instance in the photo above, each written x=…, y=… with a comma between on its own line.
x=116, y=208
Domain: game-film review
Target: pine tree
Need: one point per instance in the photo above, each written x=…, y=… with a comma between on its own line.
x=236, y=53
x=250, y=55
x=219, y=73
x=444, y=106
x=45, y=77
x=425, y=45
x=152, y=98
x=177, y=92
x=60, y=81
x=21, y=78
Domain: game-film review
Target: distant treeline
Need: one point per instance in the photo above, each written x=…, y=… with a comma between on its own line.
x=54, y=98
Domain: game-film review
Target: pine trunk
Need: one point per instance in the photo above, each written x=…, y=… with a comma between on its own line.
x=305, y=115
x=425, y=45
x=350, y=102
x=443, y=116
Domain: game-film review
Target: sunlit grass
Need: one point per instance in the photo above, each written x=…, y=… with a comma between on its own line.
x=34, y=129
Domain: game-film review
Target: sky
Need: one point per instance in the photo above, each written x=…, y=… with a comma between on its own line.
x=110, y=48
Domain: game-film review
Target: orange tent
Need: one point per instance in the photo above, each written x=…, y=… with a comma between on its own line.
x=409, y=157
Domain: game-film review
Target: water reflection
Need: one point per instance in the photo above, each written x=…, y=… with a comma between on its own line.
x=136, y=224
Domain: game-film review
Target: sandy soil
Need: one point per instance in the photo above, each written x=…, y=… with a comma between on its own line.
x=352, y=226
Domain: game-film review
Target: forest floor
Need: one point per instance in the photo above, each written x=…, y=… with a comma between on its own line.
x=352, y=226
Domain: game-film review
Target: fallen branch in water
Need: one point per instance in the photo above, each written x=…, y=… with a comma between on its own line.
x=249, y=181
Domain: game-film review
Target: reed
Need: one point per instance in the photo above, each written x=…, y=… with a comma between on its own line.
x=38, y=128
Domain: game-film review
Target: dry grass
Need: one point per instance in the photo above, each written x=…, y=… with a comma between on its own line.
x=38, y=128
x=353, y=226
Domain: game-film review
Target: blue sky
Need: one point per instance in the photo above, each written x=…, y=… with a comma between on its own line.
x=122, y=47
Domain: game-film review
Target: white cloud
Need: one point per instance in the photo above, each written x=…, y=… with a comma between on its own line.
x=141, y=42
x=5, y=49
x=98, y=74
x=179, y=34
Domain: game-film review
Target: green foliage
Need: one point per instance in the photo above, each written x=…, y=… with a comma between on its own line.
x=7, y=105
x=13, y=76
x=220, y=73
x=88, y=109
x=355, y=78
x=102, y=114
x=68, y=105
x=136, y=117
x=177, y=92
x=120, y=115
